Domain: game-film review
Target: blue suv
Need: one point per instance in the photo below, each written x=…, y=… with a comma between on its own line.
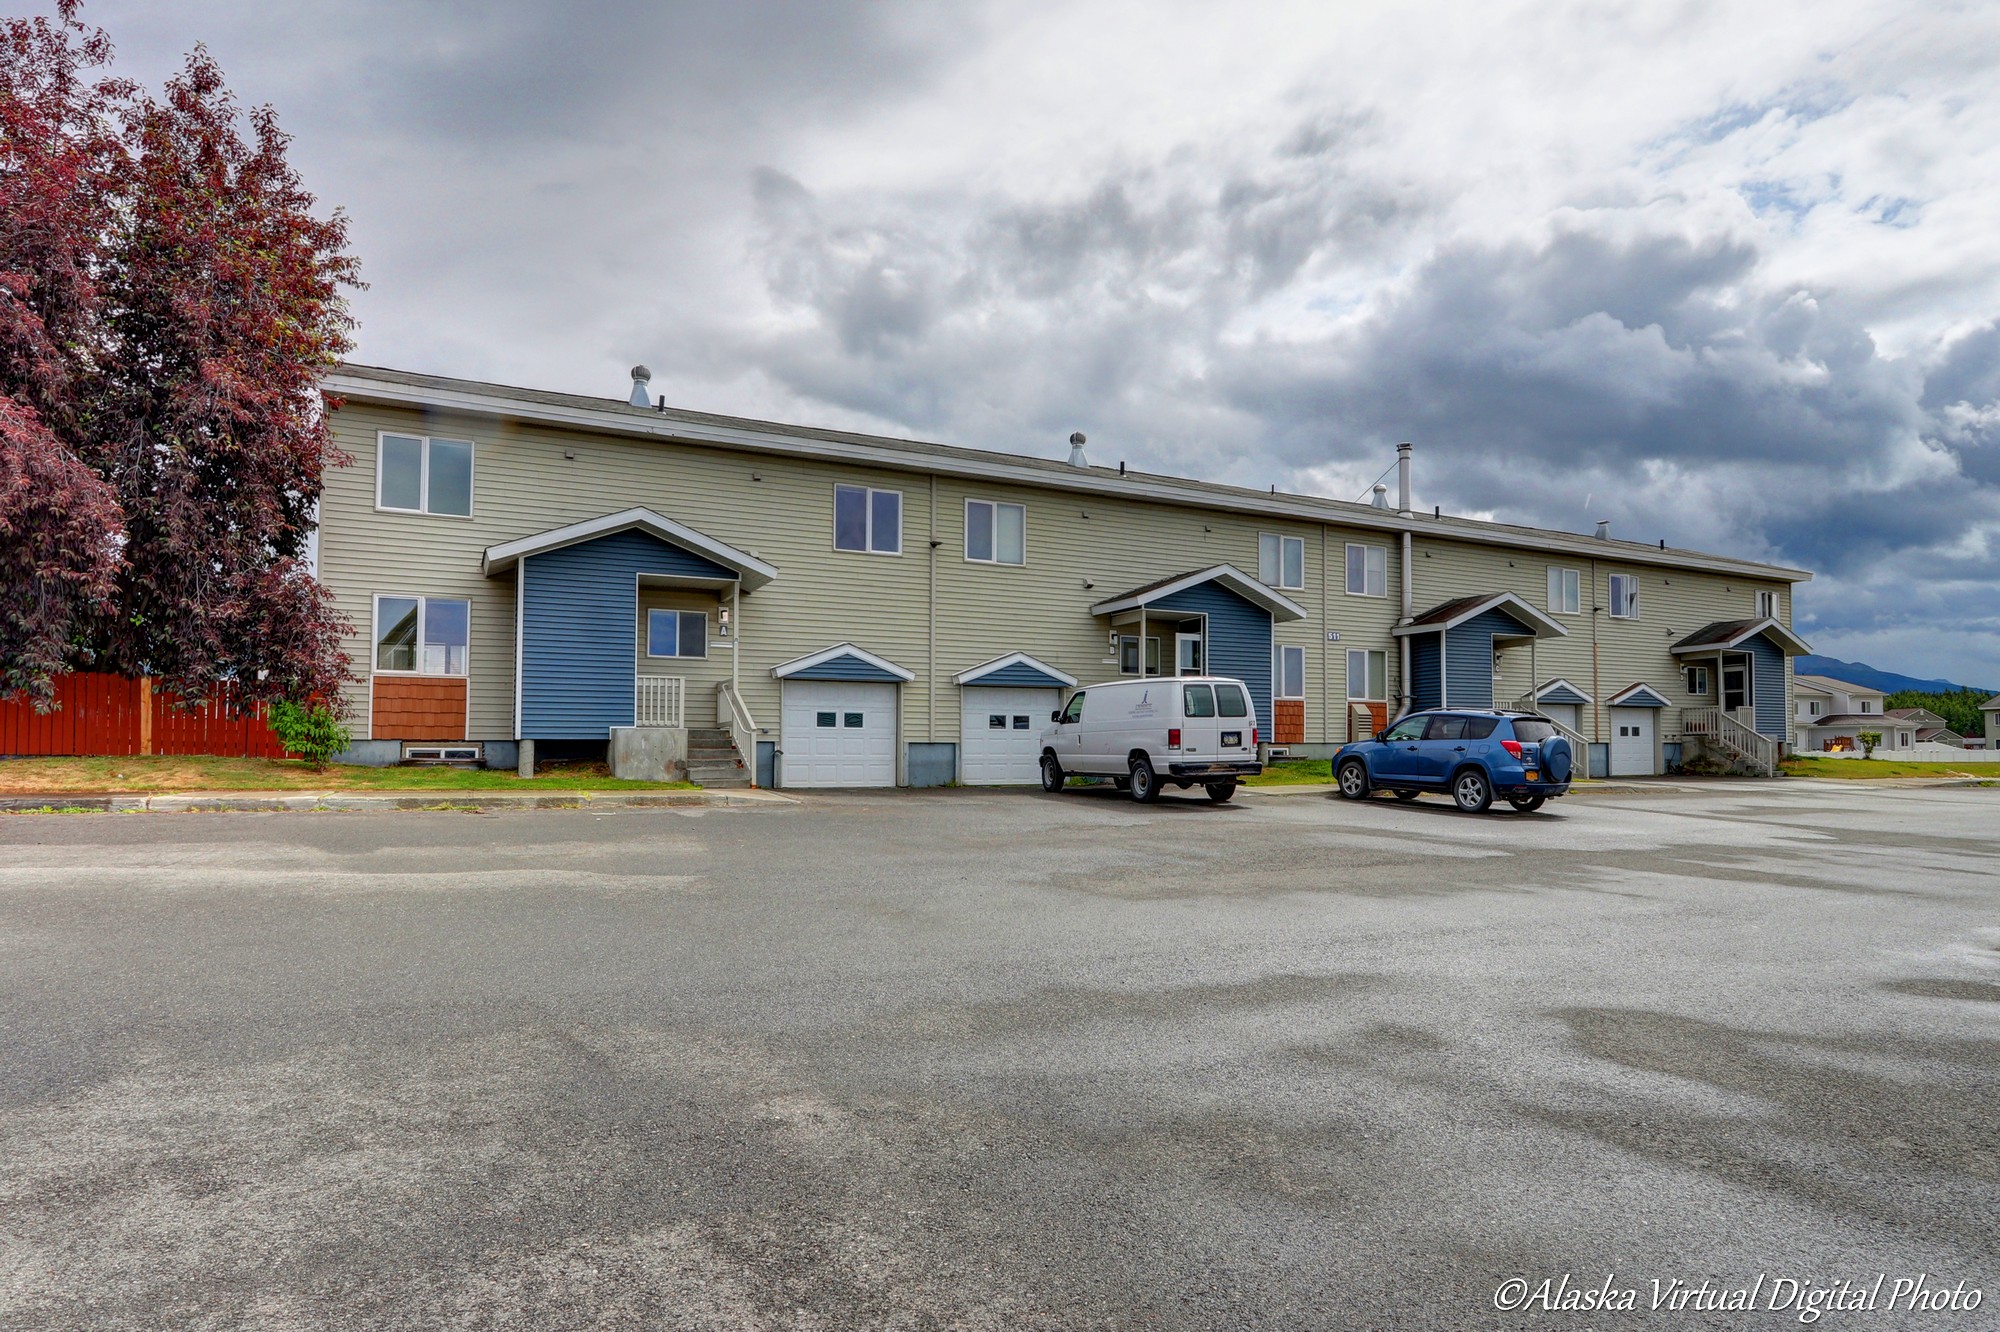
x=1470, y=756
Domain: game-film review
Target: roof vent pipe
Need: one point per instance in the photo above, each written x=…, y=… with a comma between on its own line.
x=1076, y=458
x=1381, y=496
x=641, y=377
x=1403, y=452
x=1604, y=529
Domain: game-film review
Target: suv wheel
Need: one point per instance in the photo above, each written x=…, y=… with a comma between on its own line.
x=1471, y=791
x=1220, y=792
x=1527, y=804
x=1145, y=786
x=1052, y=774
x=1354, y=779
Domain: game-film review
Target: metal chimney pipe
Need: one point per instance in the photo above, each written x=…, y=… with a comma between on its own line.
x=1604, y=529
x=1403, y=452
x=1381, y=500
x=641, y=377
x=1076, y=458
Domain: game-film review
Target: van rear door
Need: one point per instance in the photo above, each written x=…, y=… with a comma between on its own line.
x=1200, y=734
x=1236, y=728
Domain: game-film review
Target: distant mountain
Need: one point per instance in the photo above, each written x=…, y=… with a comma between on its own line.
x=1860, y=673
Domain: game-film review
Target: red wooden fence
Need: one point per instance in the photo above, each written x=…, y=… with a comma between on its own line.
x=114, y=715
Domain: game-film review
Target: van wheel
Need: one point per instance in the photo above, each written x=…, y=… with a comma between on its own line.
x=1527, y=804
x=1145, y=786
x=1471, y=791
x=1354, y=779
x=1052, y=774
x=1220, y=792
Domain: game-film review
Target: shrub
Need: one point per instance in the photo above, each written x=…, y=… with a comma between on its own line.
x=1869, y=739
x=310, y=730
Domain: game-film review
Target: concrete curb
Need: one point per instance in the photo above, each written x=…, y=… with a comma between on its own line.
x=269, y=802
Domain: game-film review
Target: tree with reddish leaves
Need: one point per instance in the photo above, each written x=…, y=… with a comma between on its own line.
x=178, y=301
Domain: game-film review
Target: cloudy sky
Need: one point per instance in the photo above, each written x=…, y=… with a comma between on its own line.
x=1726, y=274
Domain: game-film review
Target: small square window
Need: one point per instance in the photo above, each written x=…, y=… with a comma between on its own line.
x=826, y=719
x=995, y=533
x=1020, y=723
x=851, y=720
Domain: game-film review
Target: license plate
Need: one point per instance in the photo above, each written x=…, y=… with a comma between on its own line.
x=1232, y=737
x=1534, y=776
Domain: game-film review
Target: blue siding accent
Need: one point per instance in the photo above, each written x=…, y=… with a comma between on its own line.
x=1469, y=660
x=1239, y=640
x=1644, y=698
x=579, y=621
x=1767, y=685
x=1019, y=675
x=1563, y=694
x=846, y=667
x=1425, y=688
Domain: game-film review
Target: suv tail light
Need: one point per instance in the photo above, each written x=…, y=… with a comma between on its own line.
x=1512, y=747
x=1173, y=737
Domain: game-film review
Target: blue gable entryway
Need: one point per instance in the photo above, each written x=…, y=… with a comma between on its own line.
x=1748, y=655
x=1452, y=647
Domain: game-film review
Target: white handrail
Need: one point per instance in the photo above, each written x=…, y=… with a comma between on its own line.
x=732, y=712
x=1746, y=742
x=1575, y=738
x=658, y=700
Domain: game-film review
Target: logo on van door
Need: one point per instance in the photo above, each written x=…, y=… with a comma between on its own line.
x=1144, y=707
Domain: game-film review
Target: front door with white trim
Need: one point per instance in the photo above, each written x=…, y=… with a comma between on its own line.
x=1632, y=731
x=838, y=733
x=1187, y=654
x=1000, y=733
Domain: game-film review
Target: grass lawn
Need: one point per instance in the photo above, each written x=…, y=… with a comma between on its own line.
x=171, y=773
x=1294, y=772
x=1862, y=769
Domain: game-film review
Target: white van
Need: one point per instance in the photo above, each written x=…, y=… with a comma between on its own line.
x=1188, y=729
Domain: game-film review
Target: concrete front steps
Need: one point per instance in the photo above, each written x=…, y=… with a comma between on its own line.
x=712, y=760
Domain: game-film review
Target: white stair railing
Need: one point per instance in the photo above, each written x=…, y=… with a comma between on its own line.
x=1745, y=742
x=1575, y=738
x=659, y=700
x=733, y=713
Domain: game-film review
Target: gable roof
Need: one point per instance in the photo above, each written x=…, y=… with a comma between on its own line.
x=1451, y=614
x=1991, y=704
x=1923, y=716
x=1641, y=695
x=1723, y=634
x=1280, y=606
x=842, y=661
x=615, y=416
x=1826, y=684
x=750, y=571
x=1561, y=691
x=1868, y=718
x=1016, y=668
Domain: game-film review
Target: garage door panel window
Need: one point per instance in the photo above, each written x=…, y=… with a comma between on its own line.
x=422, y=635
x=868, y=521
x=996, y=533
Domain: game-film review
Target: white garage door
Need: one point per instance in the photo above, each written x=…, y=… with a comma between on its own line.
x=1566, y=713
x=836, y=733
x=1000, y=734
x=1632, y=742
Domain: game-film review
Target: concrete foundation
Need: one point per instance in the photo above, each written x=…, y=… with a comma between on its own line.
x=524, y=760
x=371, y=753
x=931, y=764
x=649, y=753
x=501, y=754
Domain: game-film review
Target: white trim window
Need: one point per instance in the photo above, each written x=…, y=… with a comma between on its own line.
x=1128, y=654
x=421, y=635
x=1812, y=707
x=1624, y=596
x=1367, y=570
x=1281, y=561
x=1565, y=591
x=1367, y=675
x=676, y=633
x=996, y=533
x=868, y=521
x=1288, y=673
x=1767, y=605
x=1697, y=681
x=419, y=474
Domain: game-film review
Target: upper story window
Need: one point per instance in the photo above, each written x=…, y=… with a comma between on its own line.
x=1767, y=605
x=418, y=474
x=996, y=533
x=1812, y=707
x=672, y=633
x=1624, y=597
x=421, y=635
x=1367, y=570
x=1865, y=705
x=1565, y=591
x=868, y=520
x=1281, y=560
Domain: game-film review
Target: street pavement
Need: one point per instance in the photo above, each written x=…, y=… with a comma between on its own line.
x=982, y=1059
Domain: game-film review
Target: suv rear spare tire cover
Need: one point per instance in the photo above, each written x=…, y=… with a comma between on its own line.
x=1556, y=759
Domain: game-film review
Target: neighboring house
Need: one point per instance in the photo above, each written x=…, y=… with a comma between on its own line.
x=1931, y=728
x=1991, y=711
x=562, y=572
x=1830, y=714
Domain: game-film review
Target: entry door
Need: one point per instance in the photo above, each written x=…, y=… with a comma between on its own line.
x=1736, y=684
x=1632, y=742
x=1188, y=654
x=1000, y=734
x=839, y=733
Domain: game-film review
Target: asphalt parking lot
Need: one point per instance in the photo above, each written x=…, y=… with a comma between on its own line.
x=998, y=1060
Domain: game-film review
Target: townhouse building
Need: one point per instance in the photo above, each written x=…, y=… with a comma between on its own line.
x=535, y=572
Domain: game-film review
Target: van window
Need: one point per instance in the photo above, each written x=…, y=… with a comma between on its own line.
x=1229, y=701
x=1445, y=728
x=1200, y=701
x=1478, y=728
x=1074, y=712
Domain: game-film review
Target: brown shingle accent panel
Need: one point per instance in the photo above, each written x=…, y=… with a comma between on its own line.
x=415, y=707
x=1288, y=721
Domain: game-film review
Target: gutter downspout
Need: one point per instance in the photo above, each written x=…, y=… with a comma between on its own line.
x=1405, y=698
x=1596, y=685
